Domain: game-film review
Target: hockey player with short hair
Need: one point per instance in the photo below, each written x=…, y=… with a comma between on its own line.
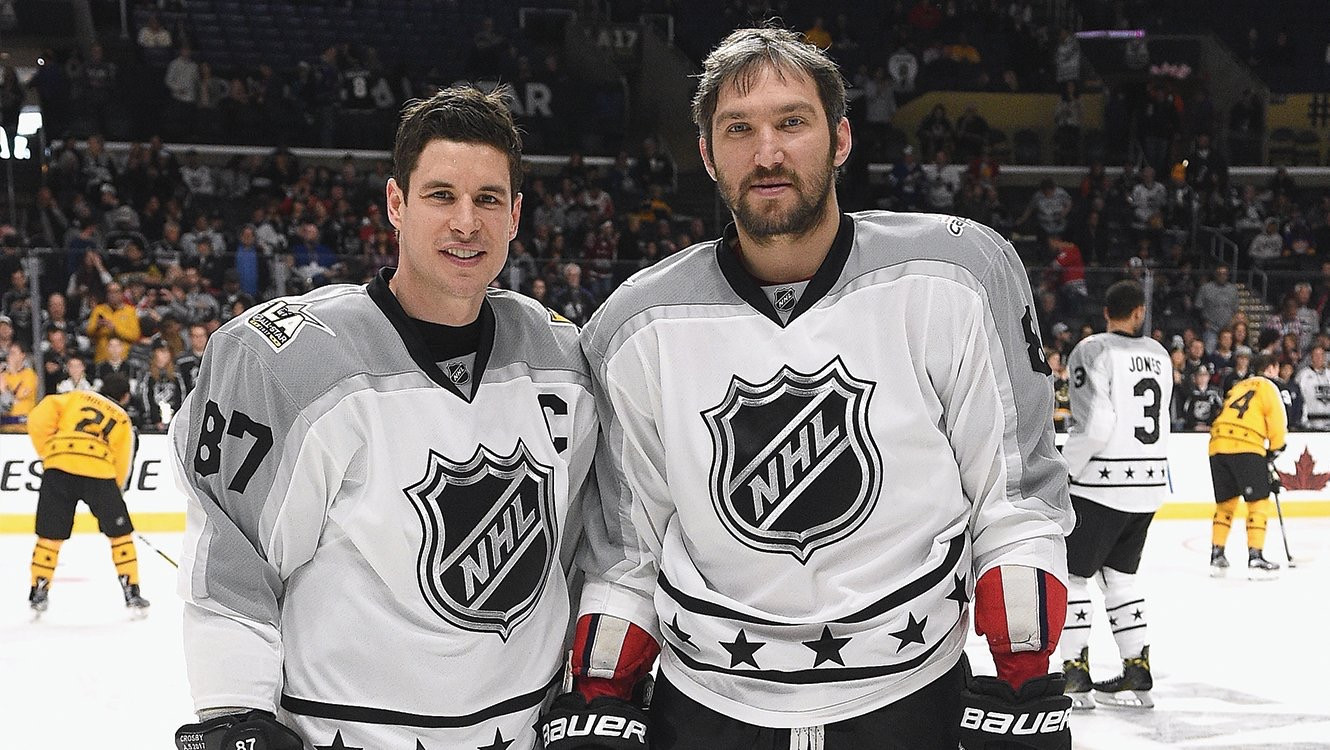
x=1245, y=439
x=86, y=443
x=1117, y=454
x=384, y=481
x=829, y=440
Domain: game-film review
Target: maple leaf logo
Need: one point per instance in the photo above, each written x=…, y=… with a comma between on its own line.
x=1304, y=478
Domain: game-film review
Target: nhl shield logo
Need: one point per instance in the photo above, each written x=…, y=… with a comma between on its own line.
x=794, y=467
x=489, y=537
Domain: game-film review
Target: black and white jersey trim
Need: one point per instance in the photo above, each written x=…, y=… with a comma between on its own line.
x=368, y=715
x=907, y=593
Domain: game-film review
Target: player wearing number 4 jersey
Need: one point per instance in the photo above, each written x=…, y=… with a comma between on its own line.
x=1244, y=441
x=86, y=445
x=1121, y=385
x=383, y=481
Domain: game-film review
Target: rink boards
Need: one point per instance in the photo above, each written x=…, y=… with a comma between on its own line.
x=157, y=505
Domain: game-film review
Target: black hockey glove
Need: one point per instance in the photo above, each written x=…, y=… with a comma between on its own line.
x=603, y=724
x=253, y=730
x=995, y=717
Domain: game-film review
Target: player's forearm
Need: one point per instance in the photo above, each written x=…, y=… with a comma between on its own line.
x=230, y=660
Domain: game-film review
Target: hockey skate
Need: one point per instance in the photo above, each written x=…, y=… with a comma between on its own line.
x=1077, y=672
x=134, y=602
x=1218, y=562
x=1259, y=568
x=1131, y=689
x=39, y=598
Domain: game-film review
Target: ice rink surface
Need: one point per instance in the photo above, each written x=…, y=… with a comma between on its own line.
x=1237, y=664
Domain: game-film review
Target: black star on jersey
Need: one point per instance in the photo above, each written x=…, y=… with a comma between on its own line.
x=679, y=633
x=1103, y=473
x=1138, y=614
x=1081, y=615
x=337, y=744
x=958, y=593
x=499, y=742
x=1113, y=622
x=742, y=650
x=1150, y=473
x=913, y=632
x=1130, y=472
x=827, y=647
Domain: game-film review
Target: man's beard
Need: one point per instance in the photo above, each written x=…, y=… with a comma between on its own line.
x=796, y=221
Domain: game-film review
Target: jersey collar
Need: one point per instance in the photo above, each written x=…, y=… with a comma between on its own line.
x=748, y=289
x=415, y=345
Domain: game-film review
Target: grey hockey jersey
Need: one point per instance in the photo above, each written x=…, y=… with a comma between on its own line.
x=798, y=505
x=1121, y=402
x=373, y=549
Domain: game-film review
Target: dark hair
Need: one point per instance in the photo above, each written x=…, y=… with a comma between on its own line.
x=1122, y=299
x=1261, y=361
x=745, y=53
x=463, y=114
x=115, y=386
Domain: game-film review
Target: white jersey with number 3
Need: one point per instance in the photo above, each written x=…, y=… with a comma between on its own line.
x=1117, y=449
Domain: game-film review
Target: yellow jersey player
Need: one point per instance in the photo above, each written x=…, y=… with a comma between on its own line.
x=1245, y=437
x=86, y=444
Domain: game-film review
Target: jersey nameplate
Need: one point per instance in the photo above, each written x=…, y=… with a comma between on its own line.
x=281, y=321
x=489, y=537
x=794, y=467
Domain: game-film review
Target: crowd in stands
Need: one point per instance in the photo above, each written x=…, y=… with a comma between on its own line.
x=146, y=252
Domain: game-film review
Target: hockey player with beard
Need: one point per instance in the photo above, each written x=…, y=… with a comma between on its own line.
x=829, y=440
x=1117, y=453
x=383, y=481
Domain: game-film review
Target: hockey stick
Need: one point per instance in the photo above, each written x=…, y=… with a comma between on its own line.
x=175, y=564
x=1283, y=532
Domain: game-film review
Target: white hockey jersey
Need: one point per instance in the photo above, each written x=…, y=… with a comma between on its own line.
x=373, y=550
x=799, y=508
x=1121, y=399
x=1315, y=388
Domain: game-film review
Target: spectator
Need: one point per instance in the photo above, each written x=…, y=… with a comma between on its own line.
x=18, y=388
x=906, y=181
x=904, y=68
x=76, y=376
x=98, y=84
x=1268, y=245
x=654, y=167
x=935, y=132
x=201, y=232
x=251, y=263
x=182, y=82
x=188, y=361
x=161, y=391
x=1067, y=59
x=1220, y=358
x=574, y=301
x=1067, y=117
x=1289, y=323
x=879, y=107
x=520, y=268
x=1294, y=404
x=1050, y=206
x=155, y=42
x=971, y=134
x=1061, y=390
x=112, y=320
x=311, y=260
x=1313, y=383
x=1069, y=276
x=1147, y=201
x=1217, y=302
x=200, y=179
x=1241, y=368
x=1202, y=402
x=942, y=182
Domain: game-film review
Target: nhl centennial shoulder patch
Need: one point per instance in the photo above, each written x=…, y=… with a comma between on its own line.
x=282, y=320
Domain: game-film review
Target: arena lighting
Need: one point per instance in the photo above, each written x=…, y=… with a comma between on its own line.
x=1111, y=34
x=29, y=122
